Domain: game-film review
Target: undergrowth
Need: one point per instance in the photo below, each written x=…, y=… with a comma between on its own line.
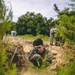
x=31, y=37
x=69, y=68
x=44, y=70
x=5, y=68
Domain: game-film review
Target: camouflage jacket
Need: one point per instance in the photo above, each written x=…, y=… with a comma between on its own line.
x=46, y=55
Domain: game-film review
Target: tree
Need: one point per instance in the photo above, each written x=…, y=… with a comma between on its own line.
x=5, y=18
x=39, y=22
x=31, y=23
x=25, y=24
x=66, y=26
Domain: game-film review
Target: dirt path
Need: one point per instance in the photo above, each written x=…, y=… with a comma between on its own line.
x=27, y=46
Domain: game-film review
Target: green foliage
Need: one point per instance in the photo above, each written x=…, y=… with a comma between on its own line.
x=5, y=26
x=5, y=23
x=68, y=69
x=34, y=24
x=41, y=71
x=29, y=23
x=2, y=60
x=5, y=18
x=44, y=37
x=31, y=37
x=2, y=10
x=66, y=27
x=5, y=68
x=12, y=70
x=69, y=60
x=68, y=54
x=44, y=65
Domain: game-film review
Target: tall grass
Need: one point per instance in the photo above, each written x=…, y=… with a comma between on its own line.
x=69, y=68
x=41, y=71
x=2, y=59
x=5, y=68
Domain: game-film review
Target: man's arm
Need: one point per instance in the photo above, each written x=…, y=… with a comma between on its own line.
x=32, y=54
x=48, y=56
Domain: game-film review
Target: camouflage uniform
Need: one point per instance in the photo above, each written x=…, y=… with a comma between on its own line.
x=46, y=56
x=52, y=32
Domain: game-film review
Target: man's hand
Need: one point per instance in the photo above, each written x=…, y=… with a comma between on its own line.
x=35, y=56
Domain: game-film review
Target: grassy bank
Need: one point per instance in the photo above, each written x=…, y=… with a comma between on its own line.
x=31, y=37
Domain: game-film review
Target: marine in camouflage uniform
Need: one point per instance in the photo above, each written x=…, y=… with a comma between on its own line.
x=52, y=32
x=44, y=57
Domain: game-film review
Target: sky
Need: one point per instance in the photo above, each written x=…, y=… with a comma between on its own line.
x=45, y=7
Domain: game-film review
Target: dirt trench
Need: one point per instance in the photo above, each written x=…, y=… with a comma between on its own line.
x=27, y=46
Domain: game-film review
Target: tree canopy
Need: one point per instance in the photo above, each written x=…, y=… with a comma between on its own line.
x=34, y=24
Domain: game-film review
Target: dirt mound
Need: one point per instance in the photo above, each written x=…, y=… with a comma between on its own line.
x=17, y=55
